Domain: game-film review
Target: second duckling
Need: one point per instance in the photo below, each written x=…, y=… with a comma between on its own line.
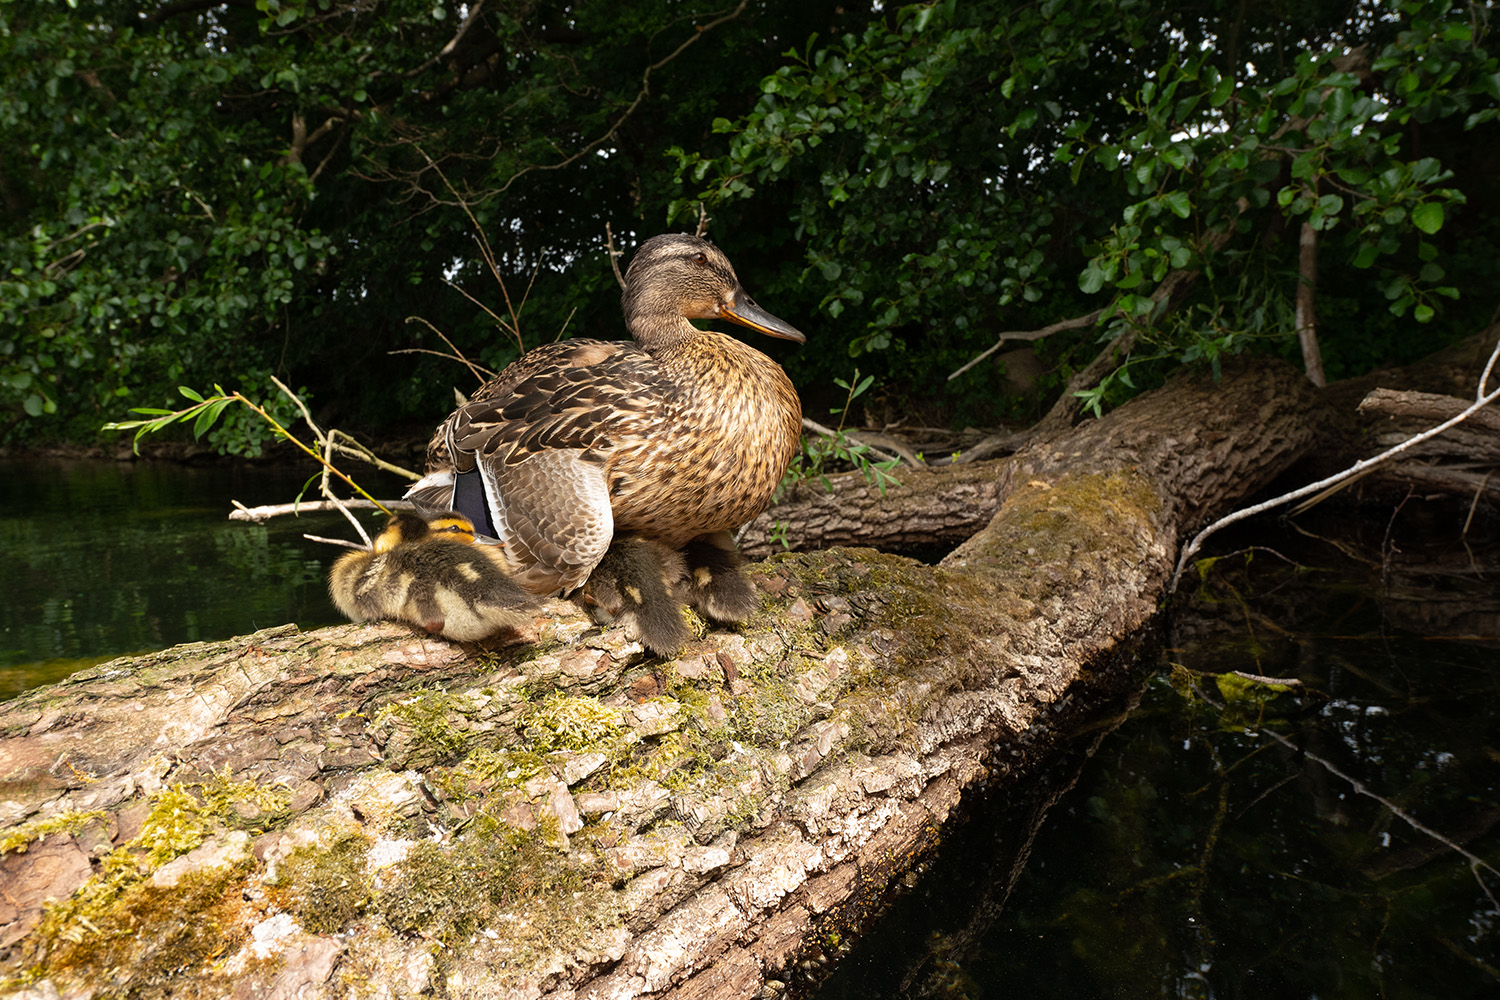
x=714, y=581
x=428, y=570
x=637, y=582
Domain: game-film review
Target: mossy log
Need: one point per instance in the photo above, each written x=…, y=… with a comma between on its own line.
x=362, y=811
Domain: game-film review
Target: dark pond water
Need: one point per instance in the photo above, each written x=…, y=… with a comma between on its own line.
x=1205, y=842
x=105, y=558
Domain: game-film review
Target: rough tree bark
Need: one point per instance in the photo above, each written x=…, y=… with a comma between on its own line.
x=1462, y=461
x=364, y=812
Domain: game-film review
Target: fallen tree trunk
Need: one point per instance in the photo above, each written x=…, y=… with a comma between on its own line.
x=361, y=811
x=1462, y=461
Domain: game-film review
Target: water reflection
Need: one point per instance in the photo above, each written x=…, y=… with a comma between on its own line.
x=106, y=558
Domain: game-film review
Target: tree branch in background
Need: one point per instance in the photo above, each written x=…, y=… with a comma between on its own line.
x=475, y=9
x=479, y=372
x=1172, y=289
x=614, y=255
x=1307, y=314
x=1358, y=468
x=644, y=92
x=856, y=438
x=513, y=327
x=1030, y=335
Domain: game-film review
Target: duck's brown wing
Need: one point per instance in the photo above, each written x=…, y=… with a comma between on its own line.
x=539, y=438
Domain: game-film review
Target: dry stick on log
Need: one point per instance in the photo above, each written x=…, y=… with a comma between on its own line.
x=765, y=786
x=1354, y=470
x=265, y=512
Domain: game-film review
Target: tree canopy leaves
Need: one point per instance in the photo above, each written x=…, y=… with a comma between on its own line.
x=218, y=192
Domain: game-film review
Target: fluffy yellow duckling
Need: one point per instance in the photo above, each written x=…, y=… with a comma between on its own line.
x=428, y=570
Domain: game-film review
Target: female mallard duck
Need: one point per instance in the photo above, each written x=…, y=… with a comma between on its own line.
x=428, y=570
x=676, y=438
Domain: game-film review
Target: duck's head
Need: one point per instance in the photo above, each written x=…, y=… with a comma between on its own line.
x=676, y=277
x=406, y=527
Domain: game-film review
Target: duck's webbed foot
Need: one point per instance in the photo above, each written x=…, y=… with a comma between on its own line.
x=715, y=583
x=636, y=582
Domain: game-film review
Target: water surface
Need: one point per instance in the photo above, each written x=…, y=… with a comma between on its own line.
x=108, y=558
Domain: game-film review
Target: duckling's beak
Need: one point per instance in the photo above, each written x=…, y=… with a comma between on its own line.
x=743, y=310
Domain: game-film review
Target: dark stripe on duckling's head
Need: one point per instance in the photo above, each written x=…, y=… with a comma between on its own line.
x=407, y=526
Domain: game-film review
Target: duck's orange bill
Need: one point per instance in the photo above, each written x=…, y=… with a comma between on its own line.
x=745, y=312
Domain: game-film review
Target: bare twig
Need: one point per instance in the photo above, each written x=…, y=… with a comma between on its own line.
x=1029, y=335
x=265, y=512
x=1484, y=378
x=614, y=254
x=1306, y=310
x=487, y=253
x=1475, y=862
x=698, y=32
x=347, y=446
x=702, y=229
x=480, y=372
x=337, y=541
x=325, y=486
x=1478, y=492
x=1358, y=467
x=1277, y=681
x=474, y=11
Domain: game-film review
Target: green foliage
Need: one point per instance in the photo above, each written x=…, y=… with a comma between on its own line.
x=148, y=231
x=958, y=169
x=199, y=193
x=234, y=437
x=818, y=453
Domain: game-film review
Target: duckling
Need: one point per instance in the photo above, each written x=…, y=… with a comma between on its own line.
x=428, y=570
x=637, y=581
x=677, y=437
x=713, y=581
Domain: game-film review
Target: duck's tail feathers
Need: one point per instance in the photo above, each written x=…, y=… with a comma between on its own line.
x=433, y=492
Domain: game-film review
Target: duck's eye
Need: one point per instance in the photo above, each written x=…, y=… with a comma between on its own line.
x=700, y=257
